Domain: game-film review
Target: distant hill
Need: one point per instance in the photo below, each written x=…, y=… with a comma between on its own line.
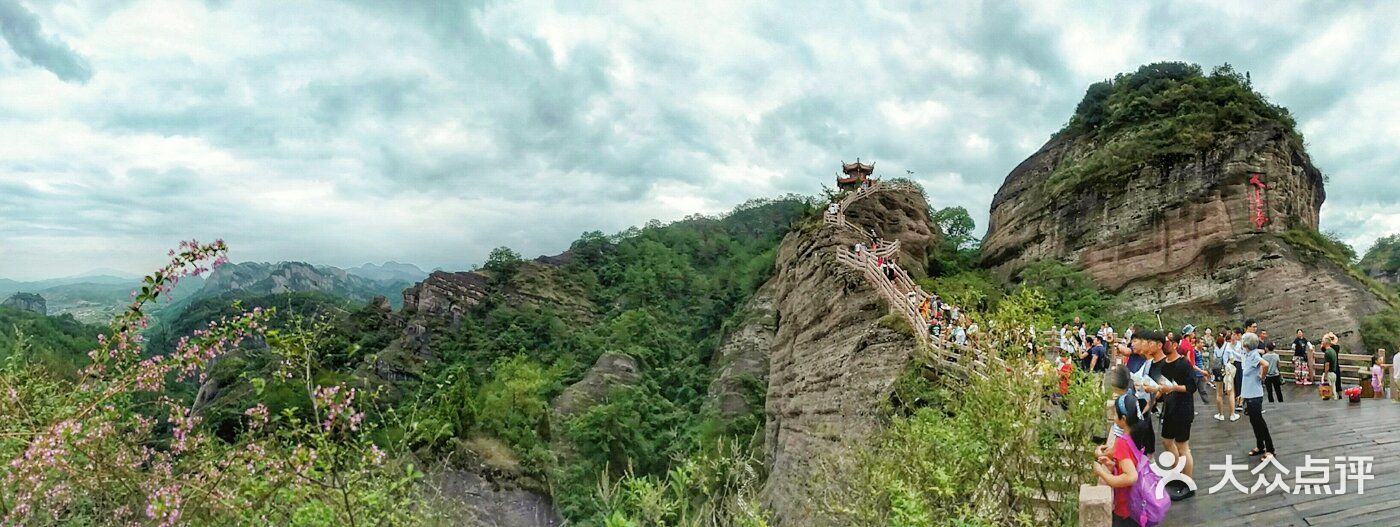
x=59, y=343
x=389, y=272
x=94, y=297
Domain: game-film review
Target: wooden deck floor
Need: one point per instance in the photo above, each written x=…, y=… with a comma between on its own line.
x=1303, y=425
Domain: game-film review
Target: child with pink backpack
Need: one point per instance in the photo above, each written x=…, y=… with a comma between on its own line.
x=1139, y=495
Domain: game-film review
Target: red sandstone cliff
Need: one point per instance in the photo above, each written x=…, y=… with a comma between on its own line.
x=1184, y=233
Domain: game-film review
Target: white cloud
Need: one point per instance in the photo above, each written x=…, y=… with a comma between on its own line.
x=342, y=132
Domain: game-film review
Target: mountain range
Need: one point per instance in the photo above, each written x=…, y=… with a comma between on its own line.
x=96, y=295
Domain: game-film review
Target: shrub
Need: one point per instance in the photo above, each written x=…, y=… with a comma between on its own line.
x=116, y=447
x=1382, y=331
x=707, y=489
x=1069, y=290
x=978, y=459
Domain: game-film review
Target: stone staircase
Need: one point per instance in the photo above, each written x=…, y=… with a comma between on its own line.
x=904, y=296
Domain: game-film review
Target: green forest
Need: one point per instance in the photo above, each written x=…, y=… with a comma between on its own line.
x=660, y=294
x=312, y=409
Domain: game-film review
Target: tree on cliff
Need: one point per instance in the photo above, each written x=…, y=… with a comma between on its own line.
x=1383, y=257
x=958, y=251
x=503, y=263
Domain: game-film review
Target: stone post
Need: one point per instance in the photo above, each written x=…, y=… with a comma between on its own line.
x=1095, y=506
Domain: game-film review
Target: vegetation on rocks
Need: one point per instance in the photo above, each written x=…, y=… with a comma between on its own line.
x=1383, y=258
x=1157, y=115
x=958, y=454
x=1315, y=246
x=55, y=344
x=665, y=294
x=113, y=446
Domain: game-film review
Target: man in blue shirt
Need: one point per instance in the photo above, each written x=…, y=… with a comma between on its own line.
x=1136, y=360
x=1252, y=371
x=1098, y=355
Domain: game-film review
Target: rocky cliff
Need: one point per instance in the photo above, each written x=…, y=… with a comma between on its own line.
x=832, y=366
x=741, y=362
x=27, y=302
x=1225, y=226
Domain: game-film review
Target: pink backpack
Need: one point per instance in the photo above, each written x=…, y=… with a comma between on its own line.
x=1145, y=506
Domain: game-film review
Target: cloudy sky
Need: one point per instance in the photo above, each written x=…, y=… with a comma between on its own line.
x=349, y=132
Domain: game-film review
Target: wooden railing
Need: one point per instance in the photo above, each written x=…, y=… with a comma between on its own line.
x=941, y=355
x=944, y=354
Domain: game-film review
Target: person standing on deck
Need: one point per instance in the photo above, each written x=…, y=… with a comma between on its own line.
x=1302, y=364
x=1395, y=384
x=1378, y=375
x=1194, y=358
x=1331, y=370
x=1273, y=381
x=1230, y=377
x=1237, y=353
x=1178, y=404
x=1255, y=369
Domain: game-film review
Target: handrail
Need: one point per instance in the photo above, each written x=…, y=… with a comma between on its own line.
x=963, y=360
x=895, y=292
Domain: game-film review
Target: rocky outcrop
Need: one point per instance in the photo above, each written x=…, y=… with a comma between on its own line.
x=445, y=295
x=468, y=498
x=831, y=365
x=1184, y=232
x=900, y=216
x=611, y=370
x=741, y=362
x=27, y=302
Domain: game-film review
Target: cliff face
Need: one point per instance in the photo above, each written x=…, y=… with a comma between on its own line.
x=1184, y=232
x=446, y=295
x=831, y=365
x=741, y=362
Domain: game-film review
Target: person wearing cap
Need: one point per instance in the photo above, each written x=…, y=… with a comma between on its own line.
x=1194, y=359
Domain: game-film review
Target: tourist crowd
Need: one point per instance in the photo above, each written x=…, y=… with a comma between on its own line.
x=1154, y=378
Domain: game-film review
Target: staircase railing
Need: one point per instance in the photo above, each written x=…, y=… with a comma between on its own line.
x=936, y=352
x=966, y=360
